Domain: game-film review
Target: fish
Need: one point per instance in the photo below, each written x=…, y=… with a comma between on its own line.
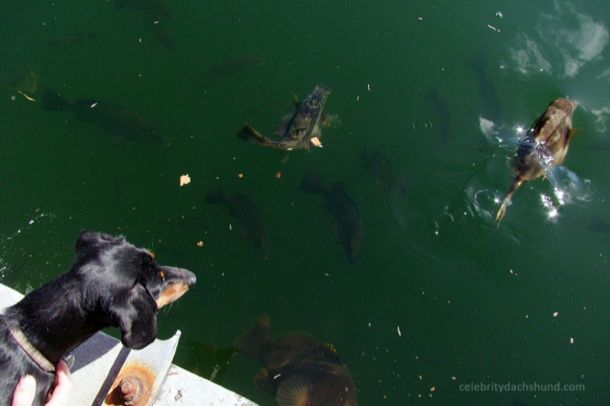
x=113, y=119
x=490, y=103
x=299, y=130
x=344, y=211
x=545, y=145
x=298, y=369
x=242, y=209
x=442, y=112
x=68, y=40
x=378, y=166
x=233, y=66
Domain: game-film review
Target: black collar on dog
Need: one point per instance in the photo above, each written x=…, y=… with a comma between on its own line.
x=29, y=349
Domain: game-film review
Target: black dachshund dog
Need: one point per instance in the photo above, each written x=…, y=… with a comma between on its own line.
x=111, y=283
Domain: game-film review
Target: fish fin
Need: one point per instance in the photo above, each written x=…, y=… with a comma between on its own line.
x=255, y=341
x=215, y=193
x=330, y=120
x=502, y=211
x=283, y=125
x=52, y=101
x=296, y=101
x=264, y=381
x=294, y=391
x=294, y=342
x=248, y=133
x=311, y=183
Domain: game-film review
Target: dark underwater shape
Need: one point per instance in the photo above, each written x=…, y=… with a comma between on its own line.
x=491, y=107
x=545, y=145
x=379, y=167
x=297, y=131
x=115, y=120
x=242, y=209
x=344, y=211
x=442, y=113
x=298, y=370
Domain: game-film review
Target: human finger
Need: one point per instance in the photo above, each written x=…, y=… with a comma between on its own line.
x=24, y=391
x=63, y=385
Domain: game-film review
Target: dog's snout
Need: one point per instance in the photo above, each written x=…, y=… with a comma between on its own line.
x=180, y=275
x=192, y=279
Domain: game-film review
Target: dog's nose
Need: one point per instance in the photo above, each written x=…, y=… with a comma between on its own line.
x=192, y=279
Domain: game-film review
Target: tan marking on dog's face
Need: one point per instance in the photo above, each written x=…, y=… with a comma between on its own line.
x=171, y=293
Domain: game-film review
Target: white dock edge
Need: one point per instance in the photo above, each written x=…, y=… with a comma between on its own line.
x=94, y=358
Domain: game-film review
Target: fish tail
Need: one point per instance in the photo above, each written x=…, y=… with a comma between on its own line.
x=248, y=133
x=517, y=182
x=215, y=193
x=311, y=183
x=255, y=341
x=53, y=102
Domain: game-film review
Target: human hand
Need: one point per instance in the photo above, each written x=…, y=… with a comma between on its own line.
x=26, y=388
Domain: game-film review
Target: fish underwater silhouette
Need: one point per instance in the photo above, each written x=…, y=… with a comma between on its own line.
x=343, y=209
x=249, y=217
x=298, y=369
x=379, y=167
x=545, y=145
x=299, y=130
x=115, y=120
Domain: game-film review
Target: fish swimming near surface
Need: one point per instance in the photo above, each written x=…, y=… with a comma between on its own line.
x=115, y=120
x=491, y=108
x=442, y=112
x=545, y=145
x=242, y=209
x=300, y=130
x=378, y=166
x=344, y=211
x=298, y=370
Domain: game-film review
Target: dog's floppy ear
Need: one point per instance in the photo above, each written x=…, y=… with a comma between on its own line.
x=137, y=318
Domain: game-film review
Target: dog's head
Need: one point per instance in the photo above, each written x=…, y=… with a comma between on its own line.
x=125, y=286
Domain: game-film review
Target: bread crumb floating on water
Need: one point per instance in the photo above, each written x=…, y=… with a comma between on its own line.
x=555, y=314
x=571, y=340
x=200, y=244
x=398, y=331
x=240, y=175
x=185, y=180
x=278, y=175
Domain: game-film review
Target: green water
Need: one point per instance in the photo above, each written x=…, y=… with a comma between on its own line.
x=472, y=302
